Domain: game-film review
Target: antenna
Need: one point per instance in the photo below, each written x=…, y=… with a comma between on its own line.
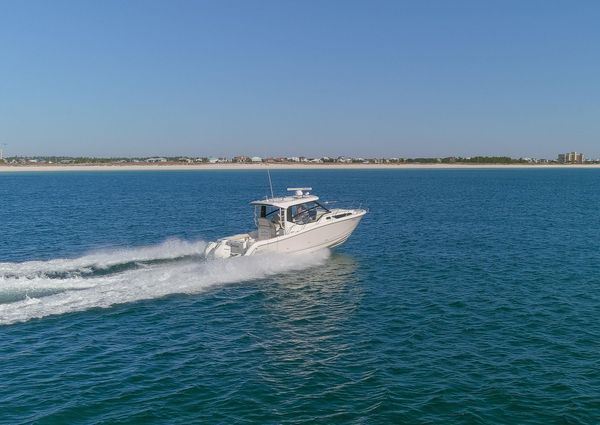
x=299, y=192
x=270, y=183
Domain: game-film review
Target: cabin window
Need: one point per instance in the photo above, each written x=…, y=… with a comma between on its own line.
x=306, y=213
x=267, y=211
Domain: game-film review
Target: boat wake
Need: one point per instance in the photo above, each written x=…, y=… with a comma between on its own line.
x=36, y=289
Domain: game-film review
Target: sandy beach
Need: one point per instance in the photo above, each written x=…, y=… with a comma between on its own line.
x=242, y=167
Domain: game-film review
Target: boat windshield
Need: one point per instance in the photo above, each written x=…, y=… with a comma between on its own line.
x=308, y=212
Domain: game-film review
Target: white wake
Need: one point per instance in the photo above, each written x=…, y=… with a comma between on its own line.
x=154, y=271
x=102, y=259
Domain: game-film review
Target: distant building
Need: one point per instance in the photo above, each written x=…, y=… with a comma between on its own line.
x=156, y=160
x=570, y=158
x=256, y=159
x=275, y=160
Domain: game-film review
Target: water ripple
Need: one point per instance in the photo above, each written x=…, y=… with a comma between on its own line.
x=473, y=300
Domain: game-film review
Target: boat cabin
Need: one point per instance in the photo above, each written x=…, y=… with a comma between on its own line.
x=279, y=216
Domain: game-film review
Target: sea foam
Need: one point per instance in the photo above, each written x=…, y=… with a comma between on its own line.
x=105, y=278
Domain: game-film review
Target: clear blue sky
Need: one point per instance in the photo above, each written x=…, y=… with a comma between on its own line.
x=369, y=78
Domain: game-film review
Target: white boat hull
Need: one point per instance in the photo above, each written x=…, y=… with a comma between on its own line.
x=304, y=239
x=319, y=237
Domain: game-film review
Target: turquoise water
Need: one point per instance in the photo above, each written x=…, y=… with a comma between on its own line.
x=465, y=296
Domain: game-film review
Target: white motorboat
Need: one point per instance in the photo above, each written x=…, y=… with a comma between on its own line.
x=290, y=224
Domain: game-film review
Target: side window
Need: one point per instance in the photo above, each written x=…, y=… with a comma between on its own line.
x=270, y=212
x=301, y=213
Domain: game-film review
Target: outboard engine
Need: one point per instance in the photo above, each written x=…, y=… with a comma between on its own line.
x=219, y=249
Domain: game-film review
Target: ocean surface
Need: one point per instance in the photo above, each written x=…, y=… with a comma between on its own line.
x=464, y=297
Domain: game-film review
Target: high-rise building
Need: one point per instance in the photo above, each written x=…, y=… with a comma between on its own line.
x=570, y=158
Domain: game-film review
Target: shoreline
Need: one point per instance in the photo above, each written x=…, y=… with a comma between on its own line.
x=242, y=167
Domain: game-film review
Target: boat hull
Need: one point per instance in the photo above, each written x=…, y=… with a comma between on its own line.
x=327, y=235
